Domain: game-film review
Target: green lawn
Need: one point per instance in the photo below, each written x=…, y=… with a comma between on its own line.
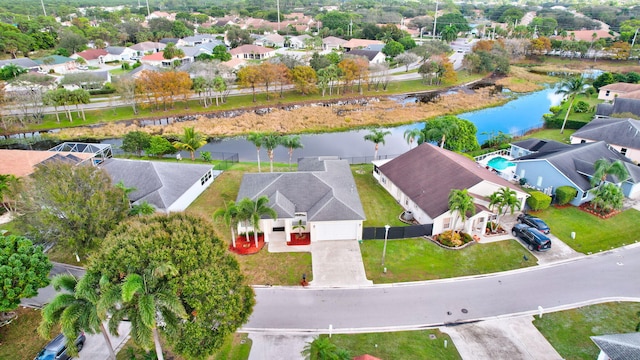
x=569, y=331
x=405, y=345
x=551, y=134
x=379, y=206
x=20, y=339
x=235, y=347
x=585, y=117
x=420, y=259
x=593, y=234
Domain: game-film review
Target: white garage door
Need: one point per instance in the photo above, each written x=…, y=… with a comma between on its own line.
x=336, y=230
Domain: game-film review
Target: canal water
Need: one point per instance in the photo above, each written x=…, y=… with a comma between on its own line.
x=514, y=117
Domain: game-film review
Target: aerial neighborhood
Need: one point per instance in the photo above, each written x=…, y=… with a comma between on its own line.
x=319, y=180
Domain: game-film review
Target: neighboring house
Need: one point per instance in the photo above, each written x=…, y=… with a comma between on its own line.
x=421, y=179
x=57, y=63
x=191, y=52
x=233, y=65
x=168, y=186
x=200, y=39
x=92, y=80
x=375, y=47
x=163, y=15
x=359, y=44
x=618, y=346
x=119, y=53
x=298, y=42
x=332, y=43
x=322, y=194
x=253, y=52
x=623, y=104
x=135, y=73
x=374, y=57
x=271, y=40
x=611, y=91
x=175, y=41
x=22, y=62
x=621, y=134
x=533, y=145
x=158, y=60
x=573, y=166
x=147, y=47
x=93, y=57
x=585, y=35
x=21, y=163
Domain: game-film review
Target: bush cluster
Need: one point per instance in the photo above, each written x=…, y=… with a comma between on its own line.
x=454, y=239
x=564, y=194
x=538, y=200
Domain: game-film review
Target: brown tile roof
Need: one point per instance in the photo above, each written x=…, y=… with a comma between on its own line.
x=586, y=35
x=356, y=43
x=621, y=87
x=250, y=49
x=92, y=54
x=427, y=174
x=22, y=162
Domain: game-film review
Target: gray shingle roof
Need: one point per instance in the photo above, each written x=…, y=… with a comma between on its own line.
x=623, y=105
x=158, y=183
x=369, y=54
x=115, y=50
x=22, y=62
x=537, y=145
x=623, y=132
x=574, y=161
x=604, y=109
x=619, y=346
x=324, y=188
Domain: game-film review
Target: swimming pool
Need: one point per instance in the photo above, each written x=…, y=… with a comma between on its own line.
x=500, y=163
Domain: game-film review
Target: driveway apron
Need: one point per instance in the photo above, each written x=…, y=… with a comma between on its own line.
x=337, y=264
x=282, y=347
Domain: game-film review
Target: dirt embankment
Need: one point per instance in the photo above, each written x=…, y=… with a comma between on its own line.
x=384, y=112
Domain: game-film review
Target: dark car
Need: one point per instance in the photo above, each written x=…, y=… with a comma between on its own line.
x=535, y=239
x=534, y=222
x=57, y=348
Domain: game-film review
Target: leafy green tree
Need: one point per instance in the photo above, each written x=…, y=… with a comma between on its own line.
x=135, y=142
x=72, y=41
x=256, y=138
x=10, y=189
x=603, y=79
x=449, y=33
x=461, y=203
x=171, y=51
x=77, y=210
x=220, y=52
x=570, y=88
x=334, y=20
x=304, y=78
x=318, y=62
x=230, y=215
x=271, y=142
x=190, y=141
x=407, y=59
x=159, y=146
x=407, y=42
x=11, y=71
x=451, y=133
x=393, y=49
x=458, y=19
x=604, y=168
x=252, y=211
x=291, y=142
x=79, y=308
x=205, y=278
x=180, y=30
x=24, y=269
x=377, y=137
x=143, y=208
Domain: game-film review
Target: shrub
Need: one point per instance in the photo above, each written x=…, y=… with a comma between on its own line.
x=564, y=194
x=555, y=109
x=581, y=107
x=538, y=200
x=556, y=123
x=454, y=239
x=522, y=181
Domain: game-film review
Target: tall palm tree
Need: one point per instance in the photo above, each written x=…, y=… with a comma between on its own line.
x=81, y=307
x=377, y=137
x=291, y=142
x=570, y=88
x=603, y=168
x=256, y=139
x=494, y=202
x=321, y=348
x=229, y=214
x=125, y=192
x=148, y=301
x=253, y=211
x=270, y=142
x=412, y=135
x=190, y=141
x=461, y=203
x=507, y=200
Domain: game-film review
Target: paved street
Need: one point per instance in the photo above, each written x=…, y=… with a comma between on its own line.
x=416, y=305
x=46, y=294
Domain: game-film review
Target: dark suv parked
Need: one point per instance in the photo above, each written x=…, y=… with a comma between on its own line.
x=535, y=239
x=534, y=222
x=57, y=348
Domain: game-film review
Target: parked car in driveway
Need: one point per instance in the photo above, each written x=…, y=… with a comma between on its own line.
x=57, y=348
x=534, y=222
x=535, y=239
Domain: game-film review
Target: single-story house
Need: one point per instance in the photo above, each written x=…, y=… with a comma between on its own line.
x=628, y=103
x=421, y=179
x=25, y=63
x=297, y=42
x=21, y=163
x=135, y=73
x=158, y=60
x=271, y=40
x=147, y=47
x=233, y=65
x=200, y=39
x=168, y=186
x=573, y=166
x=374, y=47
x=533, y=145
x=175, y=41
x=374, y=57
x=332, y=43
x=321, y=195
x=621, y=134
x=254, y=52
x=93, y=57
x=88, y=80
x=119, y=53
x=611, y=91
x=618, y=346
x=359, y=44
x=59, y=64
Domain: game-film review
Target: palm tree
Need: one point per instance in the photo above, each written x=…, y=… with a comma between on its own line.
x=603, y=168
x=253, y=211
x=291, y=143
x=256, y=139
x=270, y=142
x=80, y=308
x=412, y=135
x=148, y=301
x=570, y=88
x=376, y=136
x=438, y=128
x=125, y=192
x=321, y=348
x=190, y=141
x=144, y=208
x=508, y=199
x=494, y=202
x=608, y=197
x=230, y=216
x=461, y=202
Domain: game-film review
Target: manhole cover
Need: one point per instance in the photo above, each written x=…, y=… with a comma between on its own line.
x=464, y=311
x=448, y=312
x=432, y=337
x=243, y=341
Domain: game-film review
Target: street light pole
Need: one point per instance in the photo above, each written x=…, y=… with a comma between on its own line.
x=384, y=248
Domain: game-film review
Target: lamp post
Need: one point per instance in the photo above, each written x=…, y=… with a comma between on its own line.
x=384, y=248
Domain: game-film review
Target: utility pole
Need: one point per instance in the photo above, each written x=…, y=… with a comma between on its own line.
x=633, y=42
x=435, y=20
x=278, y=6
x=43, y=9
x=148, y=11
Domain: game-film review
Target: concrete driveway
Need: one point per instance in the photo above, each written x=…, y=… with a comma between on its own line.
x=95, y=348
x=559, y=251
x=278, y=346
x=337, y=263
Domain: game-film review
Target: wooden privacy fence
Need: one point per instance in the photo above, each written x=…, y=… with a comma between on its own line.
x=397, y=232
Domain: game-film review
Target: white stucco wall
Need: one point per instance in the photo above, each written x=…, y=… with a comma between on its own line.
x=335, y=230
x=486, y=188
x=190, y=195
